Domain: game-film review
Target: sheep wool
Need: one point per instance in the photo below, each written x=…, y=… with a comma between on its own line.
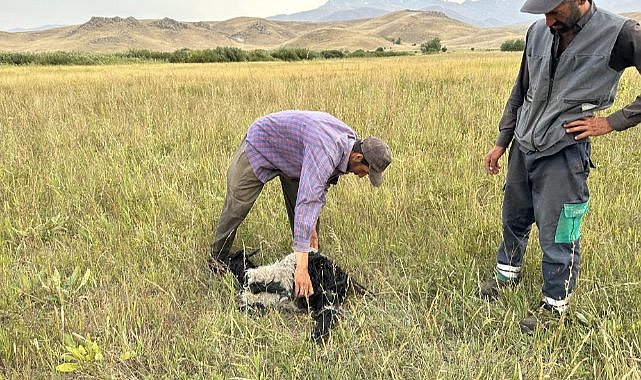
x=272, y=287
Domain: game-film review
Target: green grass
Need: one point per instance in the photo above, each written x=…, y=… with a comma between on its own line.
x=119, y=171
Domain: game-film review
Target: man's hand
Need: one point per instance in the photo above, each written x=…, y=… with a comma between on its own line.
x=302, y=283
x=588, y=126
x=491, y=160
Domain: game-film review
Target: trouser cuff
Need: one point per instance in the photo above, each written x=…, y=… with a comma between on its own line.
x=507, y=273
x=559, y=305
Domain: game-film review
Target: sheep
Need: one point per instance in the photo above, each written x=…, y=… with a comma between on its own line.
x=272, y=286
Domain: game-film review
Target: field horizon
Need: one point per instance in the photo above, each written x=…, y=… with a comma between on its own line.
x=112, y=179
x=120, y=34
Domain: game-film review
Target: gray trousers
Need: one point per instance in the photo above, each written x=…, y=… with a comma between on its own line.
x=552, y=192
x=243, y=188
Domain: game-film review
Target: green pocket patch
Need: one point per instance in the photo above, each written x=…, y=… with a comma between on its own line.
x=569, y=227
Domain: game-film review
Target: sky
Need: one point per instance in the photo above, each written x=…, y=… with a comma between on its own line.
x=35, y=13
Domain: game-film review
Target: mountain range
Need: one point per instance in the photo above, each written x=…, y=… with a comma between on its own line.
x=480, y=13
x=401, y=31
x=117, y=34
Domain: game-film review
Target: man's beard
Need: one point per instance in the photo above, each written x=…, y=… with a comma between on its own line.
x=573, y=18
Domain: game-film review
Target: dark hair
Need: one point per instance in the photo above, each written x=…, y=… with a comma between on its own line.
x=359, y=149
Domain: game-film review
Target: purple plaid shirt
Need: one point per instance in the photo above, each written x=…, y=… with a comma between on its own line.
x=306, y=145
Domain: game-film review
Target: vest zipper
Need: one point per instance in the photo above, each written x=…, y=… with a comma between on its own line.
x=551, y=73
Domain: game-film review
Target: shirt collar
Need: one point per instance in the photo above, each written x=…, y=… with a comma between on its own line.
x=344, y=164
x=586, y=17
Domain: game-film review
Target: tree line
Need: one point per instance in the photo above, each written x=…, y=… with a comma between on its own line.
x=219, y=54
x=513, y=45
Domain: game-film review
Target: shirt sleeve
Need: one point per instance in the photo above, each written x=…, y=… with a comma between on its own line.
x=318, y=167
x=514, y=102
x=627, y=53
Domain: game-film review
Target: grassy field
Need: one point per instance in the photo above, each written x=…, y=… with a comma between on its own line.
x=112, y=180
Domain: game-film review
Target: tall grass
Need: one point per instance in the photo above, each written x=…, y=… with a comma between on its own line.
x=119, y=171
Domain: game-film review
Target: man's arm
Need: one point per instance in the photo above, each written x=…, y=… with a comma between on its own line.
x=514, y=102
x=317, y=168
x=508, y=120
x=626, y=53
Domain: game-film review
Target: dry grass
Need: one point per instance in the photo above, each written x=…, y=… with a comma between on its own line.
x=119, y=170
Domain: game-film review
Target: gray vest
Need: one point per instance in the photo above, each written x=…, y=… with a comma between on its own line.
x=583, y=83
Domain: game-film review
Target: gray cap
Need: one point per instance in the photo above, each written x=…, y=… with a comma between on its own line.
x=538, y=7
x=378, y=155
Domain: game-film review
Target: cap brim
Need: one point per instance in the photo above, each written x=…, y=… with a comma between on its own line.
x=375, y=178
x=539, y=7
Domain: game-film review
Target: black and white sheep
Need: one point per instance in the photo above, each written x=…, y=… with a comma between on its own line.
x=272, y=286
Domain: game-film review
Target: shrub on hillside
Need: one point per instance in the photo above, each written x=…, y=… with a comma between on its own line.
x=231, y=54
x=147, y=55
x=58, y=58
x=328, y=54
x=64, y=58
x=219, y=54
x=513, y=45
x=259, y=55
x=432, y=46
x=203, y=56
x=294, y=54
x=17, y=58
x=179, y=56
x=360, y=53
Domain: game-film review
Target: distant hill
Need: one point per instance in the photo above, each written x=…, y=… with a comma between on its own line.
x=116, y=34
x=633, y=15
x=480, y=13
x=102, y=34
x=417, y=27
x=33, y=29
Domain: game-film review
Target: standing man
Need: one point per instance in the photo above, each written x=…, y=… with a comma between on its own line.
x=308, y=151
x=570, y=69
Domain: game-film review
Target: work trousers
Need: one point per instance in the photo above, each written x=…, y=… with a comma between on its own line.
x=243, y=188
x=552, y=192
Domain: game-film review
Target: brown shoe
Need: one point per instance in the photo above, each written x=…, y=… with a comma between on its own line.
x=489, y=289
x=546, y=315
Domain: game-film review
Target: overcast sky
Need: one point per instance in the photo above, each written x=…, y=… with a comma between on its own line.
x=34, y=13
